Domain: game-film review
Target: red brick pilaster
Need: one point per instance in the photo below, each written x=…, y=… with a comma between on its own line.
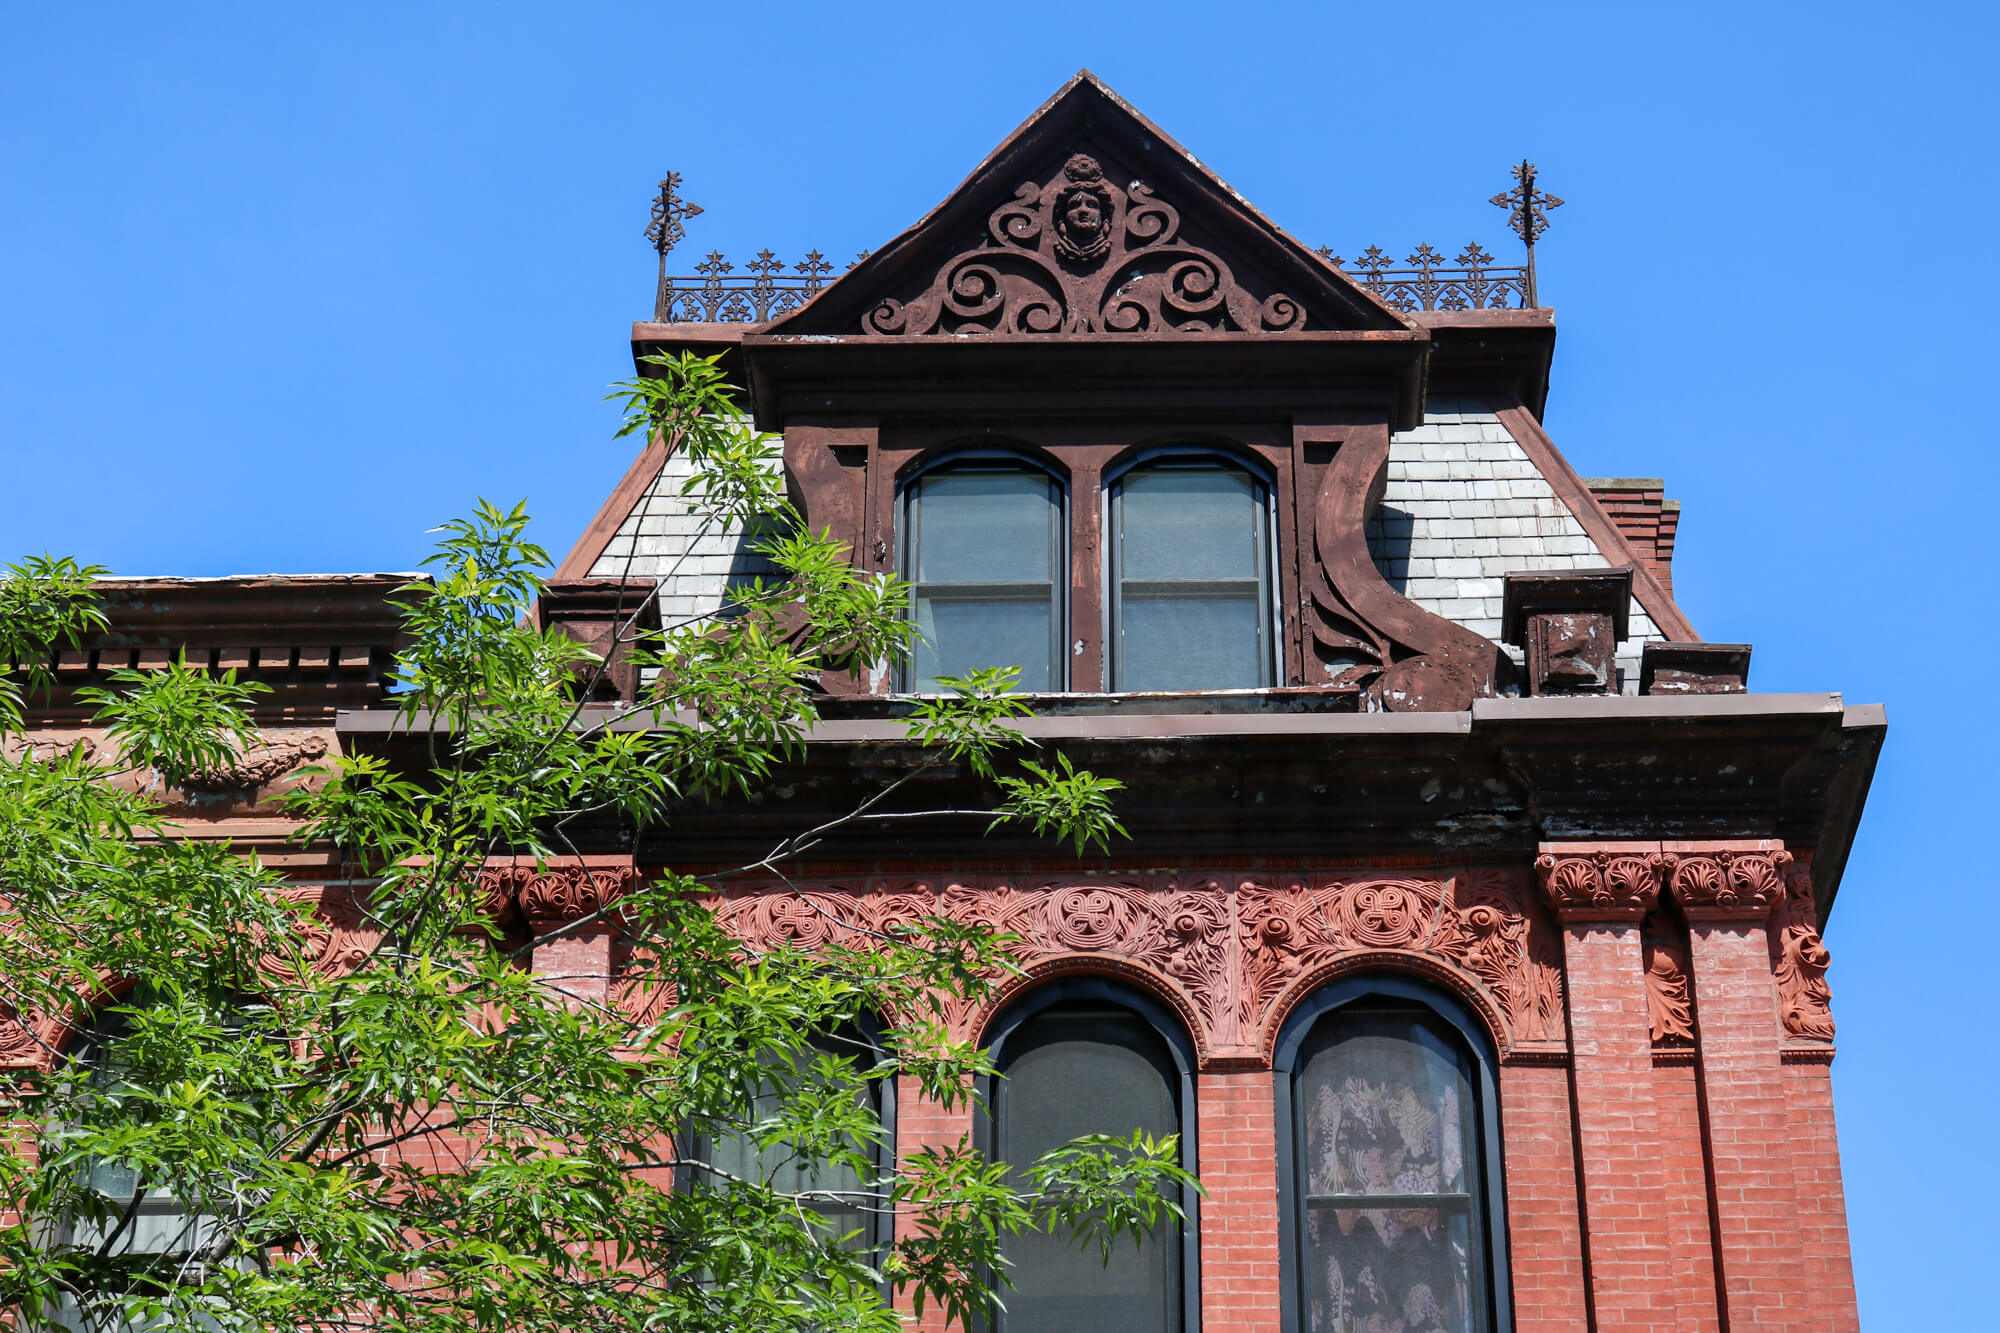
x=1822, y=1215
x=1544, y=1233
x=577, y=964
x=922, y=1123
x=1728, y=892
x=1236, y=1155
x=1600, y=892
x=1684, y=1176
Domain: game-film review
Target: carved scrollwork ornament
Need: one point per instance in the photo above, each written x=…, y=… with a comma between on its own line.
x=1805, y=1000
x=1082, y=255
x=1669, y=1000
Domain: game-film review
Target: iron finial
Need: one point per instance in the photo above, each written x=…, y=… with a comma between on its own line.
x=1528, y=215
x=664, y=231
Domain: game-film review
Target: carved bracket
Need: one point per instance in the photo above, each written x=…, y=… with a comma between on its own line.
x=1367, y=635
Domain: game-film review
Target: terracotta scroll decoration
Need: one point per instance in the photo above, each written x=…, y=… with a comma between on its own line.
x=1231, y=952
x=1079, y=254
x=1800, y=962
x=1367, y=635
x=1669, y=1002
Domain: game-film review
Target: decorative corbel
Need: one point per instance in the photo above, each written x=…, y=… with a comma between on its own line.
x=1727, y=885
x=1600, y=885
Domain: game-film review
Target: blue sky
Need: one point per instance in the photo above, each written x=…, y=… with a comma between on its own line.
x=281, y=287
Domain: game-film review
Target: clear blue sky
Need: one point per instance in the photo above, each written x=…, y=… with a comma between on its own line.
x=282, y=286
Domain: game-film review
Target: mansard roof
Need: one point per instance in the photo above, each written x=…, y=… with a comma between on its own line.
x=1091, y=220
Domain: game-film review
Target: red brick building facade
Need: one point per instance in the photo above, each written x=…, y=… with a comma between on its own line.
x=1472, y=903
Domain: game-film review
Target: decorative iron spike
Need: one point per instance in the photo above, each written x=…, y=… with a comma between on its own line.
x=663, y=232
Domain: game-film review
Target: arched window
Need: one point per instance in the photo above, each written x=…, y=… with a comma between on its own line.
x=1389, y=1174
x=837, y=1194
x=164, y=1235
x=1083, y=1056
x=983, y=541
x=1190, y=582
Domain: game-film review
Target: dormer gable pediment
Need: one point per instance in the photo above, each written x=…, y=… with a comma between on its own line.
x=1089, y=221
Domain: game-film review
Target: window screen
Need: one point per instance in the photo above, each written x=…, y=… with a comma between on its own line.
x=1392, y=1220
x=1073, y=1071
x=1190, y=587
x=837, y=1188
x=982, y=545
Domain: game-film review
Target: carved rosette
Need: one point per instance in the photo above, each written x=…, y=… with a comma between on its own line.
x=1800, y=963
x=337, y=933
x=1728, y=886
x=1228, y=952
x=1600, y=886
x=1079, y=254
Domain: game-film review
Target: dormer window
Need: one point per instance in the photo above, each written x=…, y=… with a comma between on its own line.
x=983, y=548
x=1190, y=576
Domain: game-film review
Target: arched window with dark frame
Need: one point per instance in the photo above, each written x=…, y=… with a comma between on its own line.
x=1392, y=1209
x=983, y=542
x=1077, y=1056
x=847, y=1205
x=1190, y=589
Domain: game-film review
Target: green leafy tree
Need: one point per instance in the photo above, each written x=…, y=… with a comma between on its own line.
x=437, y=1138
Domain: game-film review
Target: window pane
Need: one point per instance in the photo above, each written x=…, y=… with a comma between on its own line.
x=1070, y=1074
x=1407, y=1268
x=1385, y=1107
x=1189, y=523
x=983, y=527
x=964, y=633
x=781, y=1168
x=1190, y=643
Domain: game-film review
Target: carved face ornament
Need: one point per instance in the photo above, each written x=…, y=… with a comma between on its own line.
x=1083, y=221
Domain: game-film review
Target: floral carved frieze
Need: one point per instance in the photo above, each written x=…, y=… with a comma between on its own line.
x=1231, y=952
x=1080, y=254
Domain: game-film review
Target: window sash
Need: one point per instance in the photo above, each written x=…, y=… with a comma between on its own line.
x=962, y=592
x=1255, y=588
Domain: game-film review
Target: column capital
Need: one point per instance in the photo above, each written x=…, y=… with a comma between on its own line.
x=1742, y=881
x=1599, y=881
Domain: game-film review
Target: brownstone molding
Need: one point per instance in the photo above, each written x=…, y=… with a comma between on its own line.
x=1727, y=881
x=1607, y=882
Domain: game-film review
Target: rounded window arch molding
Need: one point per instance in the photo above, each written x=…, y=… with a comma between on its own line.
x=1421, y=970
x=1357, y=991
x=1049, y=991
x=989, y=449
x=1069, y=977
x=1193, y=446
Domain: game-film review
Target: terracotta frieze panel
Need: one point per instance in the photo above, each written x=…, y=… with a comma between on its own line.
x=1230, y=952
x=1077, y=253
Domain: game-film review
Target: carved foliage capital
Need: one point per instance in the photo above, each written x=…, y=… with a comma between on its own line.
x=1600, y=885
x=1728, y=885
